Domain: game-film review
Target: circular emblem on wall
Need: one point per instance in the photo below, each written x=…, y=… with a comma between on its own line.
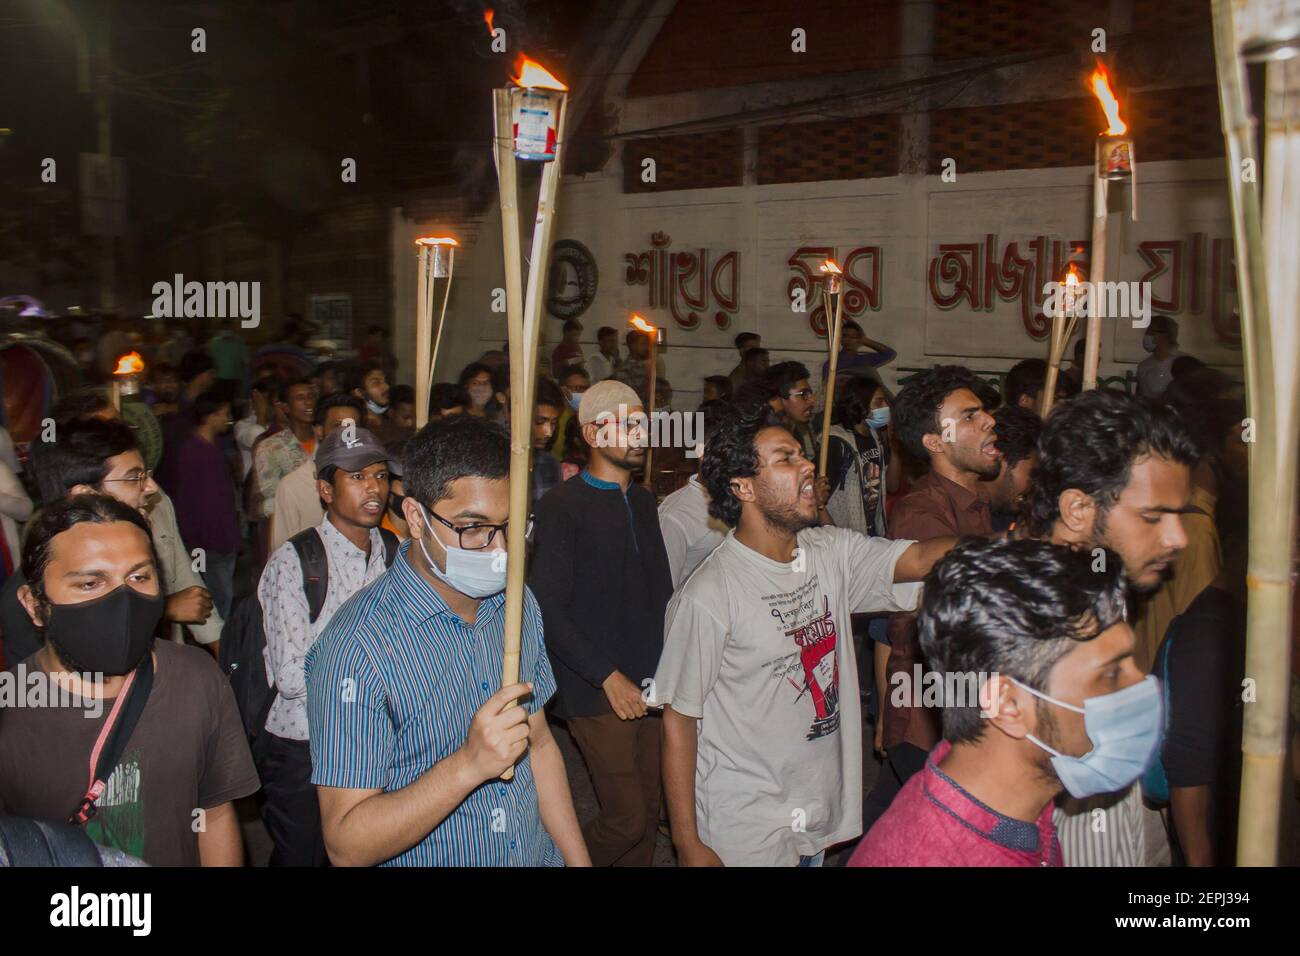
x=571, y=285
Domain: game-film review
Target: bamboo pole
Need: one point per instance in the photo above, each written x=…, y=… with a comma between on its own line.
x=1096, y=272
x=442, y=318
x=422, y=329
x=1063, y=326
x=1273, y=393
x=650, y=413
x=524, y=321
x=833, y=337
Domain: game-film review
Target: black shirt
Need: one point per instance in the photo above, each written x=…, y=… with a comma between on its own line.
x=20, y=636
x=1204, y=657
x=601, y=576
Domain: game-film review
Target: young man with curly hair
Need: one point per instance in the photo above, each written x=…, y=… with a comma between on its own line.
x=762, y=737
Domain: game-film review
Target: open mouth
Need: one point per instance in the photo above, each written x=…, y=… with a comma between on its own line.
x=373, y=507
x=990, y=449
x=808, y=491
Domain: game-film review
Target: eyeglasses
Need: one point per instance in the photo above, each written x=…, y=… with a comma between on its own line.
x=802, y=393
x=476, y=537
x=136, y=478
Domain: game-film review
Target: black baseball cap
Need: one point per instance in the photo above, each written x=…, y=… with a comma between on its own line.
x=349, y=448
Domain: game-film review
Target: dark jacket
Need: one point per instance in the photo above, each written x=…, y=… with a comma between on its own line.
x=601, y=576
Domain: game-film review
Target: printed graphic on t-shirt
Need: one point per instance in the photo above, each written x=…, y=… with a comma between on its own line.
x=812, y=670
x=119, y=818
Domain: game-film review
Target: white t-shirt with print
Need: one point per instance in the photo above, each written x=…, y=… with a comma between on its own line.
x=762, y=653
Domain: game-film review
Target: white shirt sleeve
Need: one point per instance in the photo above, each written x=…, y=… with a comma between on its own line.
x=694, y=641
x=286, y=620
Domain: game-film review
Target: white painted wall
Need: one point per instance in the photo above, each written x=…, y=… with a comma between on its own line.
x=909, y=216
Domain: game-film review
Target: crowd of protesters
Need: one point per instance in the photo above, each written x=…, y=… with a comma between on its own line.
x=1041, y=623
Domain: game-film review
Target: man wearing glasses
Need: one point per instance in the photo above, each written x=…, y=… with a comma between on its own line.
x=99, y=455
x=602, y=577
x=791, y=396
x=410, y=729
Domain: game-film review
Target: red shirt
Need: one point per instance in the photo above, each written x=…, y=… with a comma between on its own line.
x=934, y=822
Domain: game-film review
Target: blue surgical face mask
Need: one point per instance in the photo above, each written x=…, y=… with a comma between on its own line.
x=1125, y=729
x=878, y=417
x=375, y=407
x=1148, y=342
x=575, y=399
x=476, y=574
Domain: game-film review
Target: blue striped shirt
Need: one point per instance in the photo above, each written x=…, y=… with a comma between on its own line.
x=392, y=686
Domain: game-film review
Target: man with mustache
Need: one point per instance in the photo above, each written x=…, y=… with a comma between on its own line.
x=352, y=480
x=762, y=737
x=1113, y=473
x=939, y=417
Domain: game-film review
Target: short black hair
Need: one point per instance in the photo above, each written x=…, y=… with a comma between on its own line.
x=446, y=449
x=573, y=370
x=78, y=455
x=470, y=370
x=1012, y=608
x=605, y=330
x=339, y=400
x=267, y=384
x=572, y=325
x=756, y=353
x=1025, y=378
x=548, y=393
x=1018, y=430
x=401, y=395
x=81, y=403
x=916, y=410
x=447, y=395
x=634, y=334
x=356, y=374
x=290, y=385
x=732, y=453
x=782, y=377
x=211, y=400
x=715, y=413
x=853, y=401
x=59, y=516
x=1090, y=442
x=194, y=364
x=745, y=337
x=721, y=383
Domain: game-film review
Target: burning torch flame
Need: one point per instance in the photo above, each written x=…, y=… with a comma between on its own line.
x=637, y=322
x=436, y=241
x=829, y=266
x=533, y=74
x=1100, y=83
x=487, y=18
x=129, y=364
x=1072, y=277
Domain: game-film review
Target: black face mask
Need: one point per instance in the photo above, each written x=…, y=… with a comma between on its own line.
x=109, y=635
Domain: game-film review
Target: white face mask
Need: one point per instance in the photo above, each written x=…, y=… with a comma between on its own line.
x=476, y=574
x=479, y=394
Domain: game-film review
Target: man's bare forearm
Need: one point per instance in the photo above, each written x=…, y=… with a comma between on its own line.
x=554, y=801
x=1191, y=809
x=915, y=563
x=678, y=762
x=386, y=824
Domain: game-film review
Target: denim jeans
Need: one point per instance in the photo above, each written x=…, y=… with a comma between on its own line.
x=816, y=859
x=219, y=578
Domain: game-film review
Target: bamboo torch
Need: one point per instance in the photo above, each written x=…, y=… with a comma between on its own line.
x=1114, y=162
x=1268, y=287
x=1064, y=319
x=529, y=126
x=437, y=261
x=655, y=335
x=833, y=304
x=126, y=379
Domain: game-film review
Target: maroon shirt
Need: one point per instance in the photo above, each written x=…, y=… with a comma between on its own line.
x=205, y=498
x=934, y=508
x=934, y=822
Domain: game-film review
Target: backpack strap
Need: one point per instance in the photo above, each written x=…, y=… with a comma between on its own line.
x=113, y=737
x=26, y=842
x=391, y=543
x=315, y=569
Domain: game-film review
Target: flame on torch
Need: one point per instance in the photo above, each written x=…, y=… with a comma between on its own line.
x=535, y=76
x=436, y=241
x=487, y=18
x=640, y=324
x=129, y=364
x=834, y=275
x=1071, y=277
x=1100, y=83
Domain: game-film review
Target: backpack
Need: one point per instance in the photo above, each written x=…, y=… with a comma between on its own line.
x=26, y=842
x=243, y=637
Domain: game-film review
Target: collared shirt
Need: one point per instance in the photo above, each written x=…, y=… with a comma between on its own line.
x=273, y=458
x=690, y=533
x=297, y=504
x=934, y=821
x=290, y=631
x=600, y=366
x=935, y=508
x=392, y=686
